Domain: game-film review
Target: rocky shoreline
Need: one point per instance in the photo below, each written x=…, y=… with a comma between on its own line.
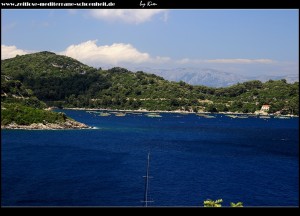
x=68, y=124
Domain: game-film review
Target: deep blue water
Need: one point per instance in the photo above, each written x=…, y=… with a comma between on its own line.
x=252, y=160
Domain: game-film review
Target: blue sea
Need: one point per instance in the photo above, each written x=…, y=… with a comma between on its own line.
x=192, y=158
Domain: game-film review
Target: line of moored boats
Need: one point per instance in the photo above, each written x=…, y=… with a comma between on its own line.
x=203, y=115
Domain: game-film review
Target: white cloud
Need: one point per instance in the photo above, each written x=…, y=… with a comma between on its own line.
x=89, y=53
x=121, y=54
x=240, y=61
x=11, y=52
x=226, y=61
x=126, y=55
x=135, y=16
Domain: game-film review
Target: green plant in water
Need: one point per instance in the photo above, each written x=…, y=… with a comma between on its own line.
x=238, y=204
x=211, y=203
x=218, y=203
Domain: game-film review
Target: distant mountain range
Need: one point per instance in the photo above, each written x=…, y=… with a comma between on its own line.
x=209, y=77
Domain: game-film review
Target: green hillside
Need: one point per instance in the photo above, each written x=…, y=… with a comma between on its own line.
x=64, y=82
x=26, y=115
x=19, y=105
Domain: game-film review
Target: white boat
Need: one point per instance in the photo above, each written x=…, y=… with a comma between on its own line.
x=153, y=115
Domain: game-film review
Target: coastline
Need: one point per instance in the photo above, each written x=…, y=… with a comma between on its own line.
x=173, y=111
x=72, y=124
x=139, y=110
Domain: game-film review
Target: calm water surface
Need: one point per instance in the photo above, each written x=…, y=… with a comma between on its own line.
x=252, y=160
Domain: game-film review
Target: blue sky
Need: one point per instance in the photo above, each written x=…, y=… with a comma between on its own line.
x=239, y=41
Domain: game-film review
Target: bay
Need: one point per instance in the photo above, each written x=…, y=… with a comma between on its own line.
x=253, y=160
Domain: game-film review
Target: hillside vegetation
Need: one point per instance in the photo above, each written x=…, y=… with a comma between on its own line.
x=55, y=80
x=25, y=115
x=20, y=106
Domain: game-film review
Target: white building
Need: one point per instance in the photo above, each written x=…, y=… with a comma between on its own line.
x=265, y=108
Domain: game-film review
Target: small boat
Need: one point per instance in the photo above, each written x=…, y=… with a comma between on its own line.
x=209, y=116
x=264, y=117
x=205, y=116
x=119, y=114
x=92, y=112
x=242, y=116
x=282, y=117
x=232, y=116
x=104, y=114
x=153, y=115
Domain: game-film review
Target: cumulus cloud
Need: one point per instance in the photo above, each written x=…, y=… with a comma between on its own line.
x=89, y=53
x=135, y=16
x=11, y=51
x=124, y=54
x=121, y=54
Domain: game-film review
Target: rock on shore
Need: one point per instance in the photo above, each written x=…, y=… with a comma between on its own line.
x=68, y=124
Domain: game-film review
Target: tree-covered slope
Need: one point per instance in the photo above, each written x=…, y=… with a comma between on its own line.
x=20, y=108
x=26, y=115
x=13, y=91
x=51, y=76
x=62, y=81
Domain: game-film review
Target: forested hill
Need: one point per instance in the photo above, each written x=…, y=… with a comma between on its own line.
x=64, y=82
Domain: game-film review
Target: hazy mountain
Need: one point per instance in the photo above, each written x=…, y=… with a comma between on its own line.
x=209, y=77
x=290, y=78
